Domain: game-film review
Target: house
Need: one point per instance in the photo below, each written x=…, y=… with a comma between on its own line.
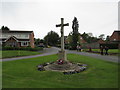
x=114, y=41
x=95, y=45
x=68, y=39
x=16, y=38
x=115, y=37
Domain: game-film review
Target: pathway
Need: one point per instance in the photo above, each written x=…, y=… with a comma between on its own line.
x=54, y=50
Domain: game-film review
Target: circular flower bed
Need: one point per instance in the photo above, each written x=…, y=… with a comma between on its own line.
x=66, y=68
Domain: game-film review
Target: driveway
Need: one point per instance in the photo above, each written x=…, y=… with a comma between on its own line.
x=54, y=50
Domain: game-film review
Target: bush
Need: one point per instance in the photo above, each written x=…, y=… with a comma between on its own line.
x=66, y=46
x=111, y=45
x=22, y=48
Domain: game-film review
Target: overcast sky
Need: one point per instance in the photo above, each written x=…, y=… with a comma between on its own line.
x=41, y=16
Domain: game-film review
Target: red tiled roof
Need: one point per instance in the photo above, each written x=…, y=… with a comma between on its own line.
x=115, y=36
x=14, y=31
x=101, y=41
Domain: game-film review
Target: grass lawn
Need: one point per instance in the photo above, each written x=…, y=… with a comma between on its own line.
x=110, y=51
x=23, y=74
x=16, y=53
x=0, y=75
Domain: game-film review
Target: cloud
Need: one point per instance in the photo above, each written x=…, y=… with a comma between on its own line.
x=42, y=16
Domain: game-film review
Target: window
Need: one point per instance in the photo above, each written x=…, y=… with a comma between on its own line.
x=26, y=35
x=114, y=39
x=5, y=35
x=0, y=42
x=24, y=43
x=19, y=35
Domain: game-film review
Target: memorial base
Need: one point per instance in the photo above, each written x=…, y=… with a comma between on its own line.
x=62, y=55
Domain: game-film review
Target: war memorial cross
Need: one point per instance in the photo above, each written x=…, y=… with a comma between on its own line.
x=62, y=53
x=62, y=32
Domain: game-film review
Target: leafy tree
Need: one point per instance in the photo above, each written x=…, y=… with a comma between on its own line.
x=52, y=38
x=88, y=38
x=37, y=41
x=41, y=41
x=107, y=39
x=69, y=38
x=102, y=36
x=85, y=36
x=4, y=28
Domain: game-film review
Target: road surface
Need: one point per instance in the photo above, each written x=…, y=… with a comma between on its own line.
x=54, y=50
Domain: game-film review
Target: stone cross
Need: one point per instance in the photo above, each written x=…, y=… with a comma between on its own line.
x=62, y=32
x=62, y=53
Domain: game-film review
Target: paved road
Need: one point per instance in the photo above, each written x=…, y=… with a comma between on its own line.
x=98, y=56
x=54, y=50
x=46, y=51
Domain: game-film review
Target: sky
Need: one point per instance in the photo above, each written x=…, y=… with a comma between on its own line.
x=41, y=16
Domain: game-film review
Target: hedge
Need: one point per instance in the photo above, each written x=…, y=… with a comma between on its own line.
x=22, y=48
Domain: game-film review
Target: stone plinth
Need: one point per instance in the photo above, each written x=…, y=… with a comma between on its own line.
x=61, y=68
x=62, y=55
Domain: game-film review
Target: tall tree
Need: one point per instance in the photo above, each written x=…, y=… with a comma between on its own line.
x=52, y=38
x=75, y=33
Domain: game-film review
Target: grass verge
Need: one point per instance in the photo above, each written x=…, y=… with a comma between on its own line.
x=17, y=53
x=110, y=51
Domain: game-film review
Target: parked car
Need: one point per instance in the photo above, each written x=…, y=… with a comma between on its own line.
x=41, y=46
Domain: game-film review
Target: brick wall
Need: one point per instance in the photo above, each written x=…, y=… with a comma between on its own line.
x=31, y=36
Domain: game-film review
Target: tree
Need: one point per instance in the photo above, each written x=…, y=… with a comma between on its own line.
x=4, y=28
x=102, y=36
x=90, y=34
x=37, y=41
x=75, y=33
x=52, y=38
x=41, y=41
x=107, y=39
x=85, y=36
x=88, y=38
x=69, y=38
